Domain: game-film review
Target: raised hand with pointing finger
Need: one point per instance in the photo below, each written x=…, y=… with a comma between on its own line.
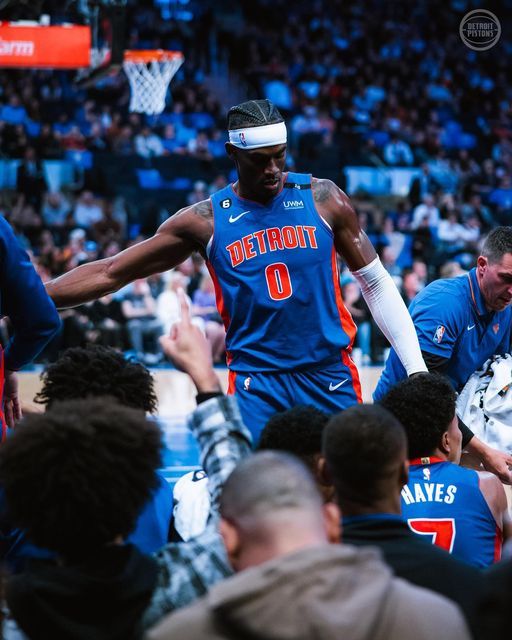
x=188, y=349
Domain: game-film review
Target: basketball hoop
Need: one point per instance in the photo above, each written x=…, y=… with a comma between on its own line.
x=149, y=74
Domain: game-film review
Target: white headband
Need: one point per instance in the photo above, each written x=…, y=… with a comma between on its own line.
x=254, y=137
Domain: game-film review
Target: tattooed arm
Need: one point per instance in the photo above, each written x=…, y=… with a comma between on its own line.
x=350, y=240
x=187, y=231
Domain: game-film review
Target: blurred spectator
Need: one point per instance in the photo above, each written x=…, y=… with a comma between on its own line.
x=47, y=144
x=108, y=322
x=107, y=229
x=148, y=144
x=426, y=213
x=168, y=303
x=30, y=180
x=475, y=207
x=87, y=210
x=422, y=185
x=96, y=140
x=169, y=141
x=397, y=152
x=410, y=286
x=56, y=209
x=199, y=193
x=139, y=309
x=199, y=147
x=73, y=140
x=123, y=141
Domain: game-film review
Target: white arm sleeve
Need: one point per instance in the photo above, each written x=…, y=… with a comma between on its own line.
x=390, y=313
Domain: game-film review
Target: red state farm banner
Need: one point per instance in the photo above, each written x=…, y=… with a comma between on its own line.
x=61, y=47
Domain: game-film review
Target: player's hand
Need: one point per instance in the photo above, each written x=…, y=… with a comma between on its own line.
x=499, y=463
x=189, y=351
x=12, y=408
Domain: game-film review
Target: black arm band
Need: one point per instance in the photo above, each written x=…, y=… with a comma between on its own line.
x=437, y=364
x=434, y=362
x=203, y=397
x=467, y=434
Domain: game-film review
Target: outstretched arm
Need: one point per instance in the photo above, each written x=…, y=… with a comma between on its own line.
x=379, y=290
x=186, y=231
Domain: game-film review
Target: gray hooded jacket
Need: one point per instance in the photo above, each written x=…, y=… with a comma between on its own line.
x=325, y=592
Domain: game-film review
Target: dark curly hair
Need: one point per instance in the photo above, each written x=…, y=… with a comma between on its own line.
x=297, y=431
x=82, y=372
x=253, y=113
x=77, y=476
x=425, y=405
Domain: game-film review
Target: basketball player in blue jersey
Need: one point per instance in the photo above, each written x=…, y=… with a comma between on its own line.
x=271, y=242
x=461, y=510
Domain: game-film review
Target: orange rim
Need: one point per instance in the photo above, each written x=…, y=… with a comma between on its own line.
x=151, y=55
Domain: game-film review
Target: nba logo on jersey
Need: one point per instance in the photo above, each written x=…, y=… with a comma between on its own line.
x=426, y=474
x=496, y=327
x=247, y=383
x=243, y=141
x=438, y=335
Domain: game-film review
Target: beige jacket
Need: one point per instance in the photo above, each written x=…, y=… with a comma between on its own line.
x=326, y=592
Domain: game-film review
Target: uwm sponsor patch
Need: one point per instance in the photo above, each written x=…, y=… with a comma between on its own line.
x=271, y=239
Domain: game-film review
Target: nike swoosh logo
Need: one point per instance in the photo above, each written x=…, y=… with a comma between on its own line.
x=235, y=218
x=333, y=387
x=471, y=327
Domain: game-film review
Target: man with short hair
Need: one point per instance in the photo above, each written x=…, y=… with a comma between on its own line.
x=290, y=582
x=365, y=449
x=461, y=322
x=273, y=259
x=75, y=479
x=299, y=431
x=458, y=509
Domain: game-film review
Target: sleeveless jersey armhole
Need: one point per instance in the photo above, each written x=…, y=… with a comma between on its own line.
x=325, y=225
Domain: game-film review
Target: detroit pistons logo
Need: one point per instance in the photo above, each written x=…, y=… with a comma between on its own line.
x=243, y=141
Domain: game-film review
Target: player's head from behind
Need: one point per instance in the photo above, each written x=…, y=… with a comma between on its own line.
x=94, y=371
x=270, y=506
x=365, y=450
x=425, y=405
x=257, y=146
x=494, y=269
x=76, y=477
x=299, y=431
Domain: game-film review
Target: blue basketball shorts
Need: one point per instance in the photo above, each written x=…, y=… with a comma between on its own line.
x=260, y=395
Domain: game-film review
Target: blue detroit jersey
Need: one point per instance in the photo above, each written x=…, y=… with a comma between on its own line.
x=443, y=502
x=277, y=282
x=451, y=321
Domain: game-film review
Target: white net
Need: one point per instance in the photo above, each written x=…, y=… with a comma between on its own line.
x=149, y=81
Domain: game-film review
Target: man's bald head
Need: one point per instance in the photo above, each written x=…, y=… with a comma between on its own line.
x=265, y=485
x=270, y=507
